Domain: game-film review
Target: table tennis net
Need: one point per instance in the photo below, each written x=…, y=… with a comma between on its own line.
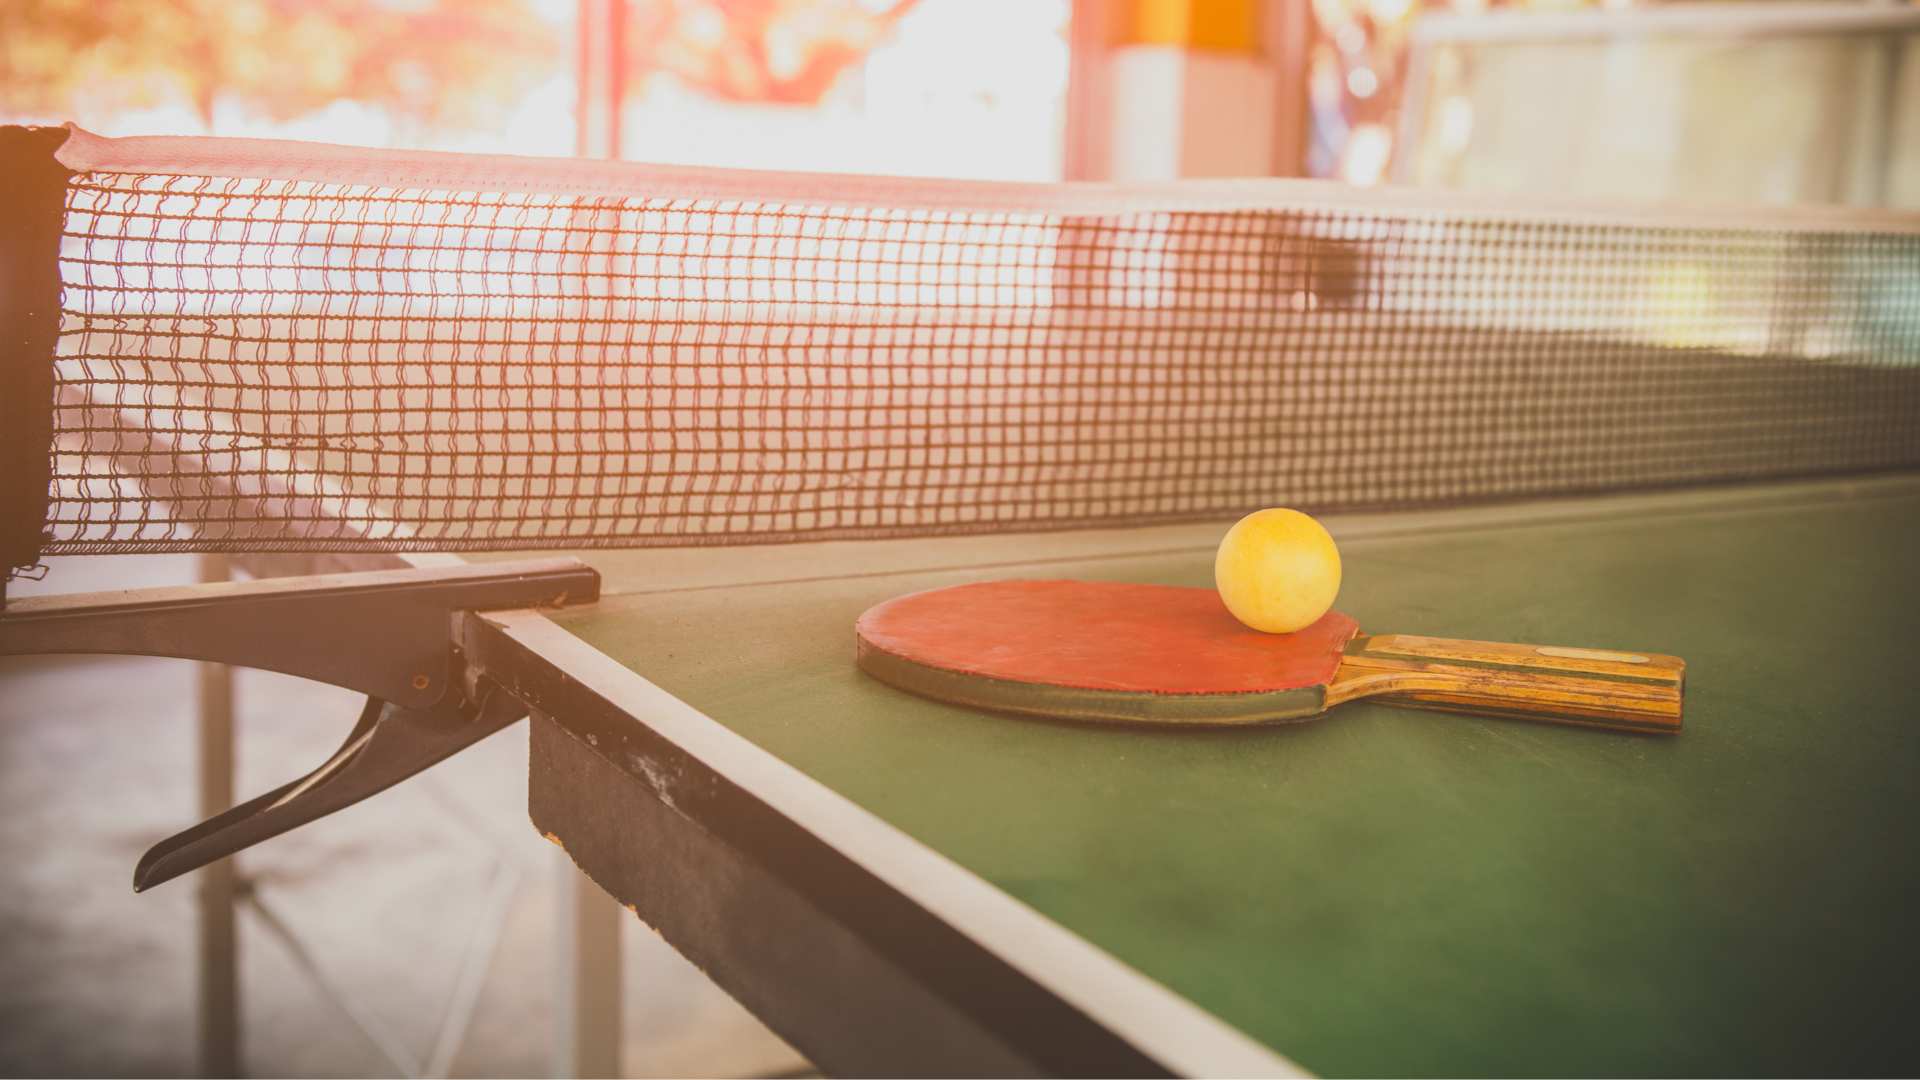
x=272, y=346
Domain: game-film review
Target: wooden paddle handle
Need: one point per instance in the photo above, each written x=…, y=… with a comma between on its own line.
x=1592, y=687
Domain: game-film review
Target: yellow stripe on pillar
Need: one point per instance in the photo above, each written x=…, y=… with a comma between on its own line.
x=1230, y=26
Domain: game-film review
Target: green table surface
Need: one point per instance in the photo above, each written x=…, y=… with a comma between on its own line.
x=1388, y=891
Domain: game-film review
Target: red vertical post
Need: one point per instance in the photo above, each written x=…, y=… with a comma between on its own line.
x=600, y=65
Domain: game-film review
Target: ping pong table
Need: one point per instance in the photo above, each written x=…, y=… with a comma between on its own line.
x=901, y=886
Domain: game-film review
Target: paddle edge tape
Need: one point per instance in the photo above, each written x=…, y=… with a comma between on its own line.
x=1078, y=703
x=33, y=196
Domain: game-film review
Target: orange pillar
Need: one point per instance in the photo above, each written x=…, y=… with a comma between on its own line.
x=1172, y=88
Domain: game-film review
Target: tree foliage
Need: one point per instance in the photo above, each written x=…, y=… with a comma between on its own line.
x=435, y=63
x=785, y=51
x=445, y=63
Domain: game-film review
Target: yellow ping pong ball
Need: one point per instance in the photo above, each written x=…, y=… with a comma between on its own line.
x=1277, y=570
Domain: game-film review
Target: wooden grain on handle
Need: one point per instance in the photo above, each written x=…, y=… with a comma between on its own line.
x=1591, y=687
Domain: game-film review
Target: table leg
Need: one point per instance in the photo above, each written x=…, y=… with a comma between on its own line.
x=217, y=976
x=587, y=990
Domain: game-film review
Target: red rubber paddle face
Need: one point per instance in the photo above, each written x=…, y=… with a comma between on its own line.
x=1099, y=650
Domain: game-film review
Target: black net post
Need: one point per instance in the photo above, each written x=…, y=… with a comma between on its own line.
x=33, y=190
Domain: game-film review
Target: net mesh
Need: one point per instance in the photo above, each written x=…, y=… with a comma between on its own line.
x=275, y=364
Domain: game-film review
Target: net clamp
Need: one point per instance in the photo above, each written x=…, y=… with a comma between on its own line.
x=388, y=634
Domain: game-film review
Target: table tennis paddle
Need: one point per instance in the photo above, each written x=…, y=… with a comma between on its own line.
x=1158, y=654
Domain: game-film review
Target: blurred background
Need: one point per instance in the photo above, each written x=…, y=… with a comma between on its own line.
x=1754, y=102
x=422, y=933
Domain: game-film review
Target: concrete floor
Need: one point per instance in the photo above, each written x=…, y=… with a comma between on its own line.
x=389, y=897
